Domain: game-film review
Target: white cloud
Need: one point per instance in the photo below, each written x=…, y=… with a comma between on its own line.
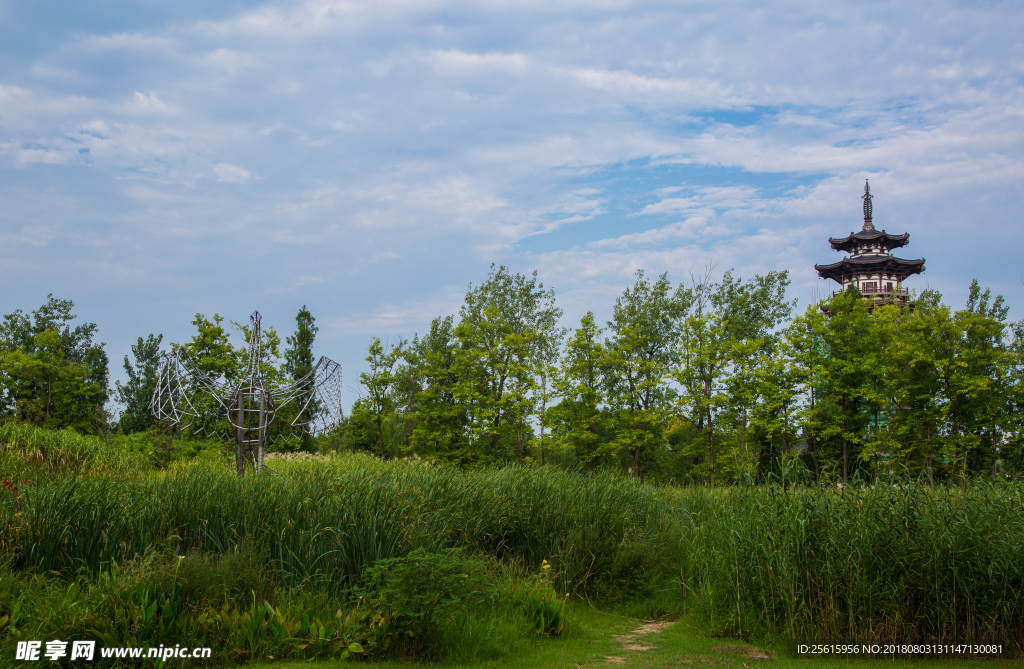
x=228, y=173
x=146, y=103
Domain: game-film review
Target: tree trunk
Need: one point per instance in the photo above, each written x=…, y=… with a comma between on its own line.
x=543, y=412
x=743, y=438
x=845, y=464
x=408, y=421
x=711, y=449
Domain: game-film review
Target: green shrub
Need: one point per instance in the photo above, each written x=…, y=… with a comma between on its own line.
x=423, y=593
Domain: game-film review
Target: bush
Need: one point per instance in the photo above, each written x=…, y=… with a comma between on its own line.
x=423, y=594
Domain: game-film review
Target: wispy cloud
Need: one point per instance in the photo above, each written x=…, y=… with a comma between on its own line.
x=228, y=173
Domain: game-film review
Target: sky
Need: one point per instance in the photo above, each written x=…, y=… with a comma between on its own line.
x=371, y=160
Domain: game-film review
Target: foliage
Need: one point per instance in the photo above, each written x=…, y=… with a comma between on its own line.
x=298, y=357
x=871, y=562
x=508, y=327
x=728, y=343
x=640, y=356
x=299, y=362
x=51, y=374
x=379, y=383
x=136, y=394
x=428, y=386
x=577, y=420
x=421, y=593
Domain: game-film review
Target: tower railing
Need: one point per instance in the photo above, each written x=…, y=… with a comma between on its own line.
x=897, y=292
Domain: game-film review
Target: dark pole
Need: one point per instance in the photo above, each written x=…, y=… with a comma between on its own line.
x=240, y=434
x=261, y=447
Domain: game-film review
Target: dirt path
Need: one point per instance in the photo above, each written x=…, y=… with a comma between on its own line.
x=638, y=639
x=644, y=639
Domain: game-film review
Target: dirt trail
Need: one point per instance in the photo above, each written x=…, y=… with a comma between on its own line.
x=634, y=640
x=643, y=639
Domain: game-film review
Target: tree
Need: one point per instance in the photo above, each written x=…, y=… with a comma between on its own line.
x=298, y=357
x=640, y=355
x=977, y=382
x=508, y=326
x=802, y=349
x=729, y=326
x=849, y=364
x=45, y=388
x=379, y=401
x=428, y=383
x=51, y=373
x=211, y=350
x=136, y=394
x=577, y=420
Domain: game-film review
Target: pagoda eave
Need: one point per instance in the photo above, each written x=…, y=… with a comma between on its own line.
x=856, y=239
x=897, y=268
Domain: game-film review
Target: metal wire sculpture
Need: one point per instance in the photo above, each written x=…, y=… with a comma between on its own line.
x=251, y=411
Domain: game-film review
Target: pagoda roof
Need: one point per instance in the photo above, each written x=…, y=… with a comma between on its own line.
x=870, y=263
x=855, y=239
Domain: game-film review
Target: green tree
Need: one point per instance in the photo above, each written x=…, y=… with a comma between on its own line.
x=803, y=350
x=508, y=327
x=729, y=325
x=640, y=356
x=379, y=402
x=847, y=393
x=978, y=387
x=299, y=362
x=44, y=359
x=45, y=388
x=428, y=384
x=136, y=394
x=298, y=356
x=211, y=350
x=577, y=420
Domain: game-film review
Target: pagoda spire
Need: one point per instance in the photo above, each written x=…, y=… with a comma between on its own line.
x=868, y=225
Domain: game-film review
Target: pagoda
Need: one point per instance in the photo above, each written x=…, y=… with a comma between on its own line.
x=870, y=267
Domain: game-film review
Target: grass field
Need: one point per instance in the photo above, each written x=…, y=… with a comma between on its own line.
x=404, y=559
x=595, y=639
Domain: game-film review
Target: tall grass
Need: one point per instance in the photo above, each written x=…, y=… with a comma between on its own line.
x=866, y=564
x=28, y=452
x=328, y=520
x=911, y=563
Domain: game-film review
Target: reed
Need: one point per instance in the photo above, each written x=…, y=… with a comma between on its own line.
x=328, y=520
x=886, y=564
x=866, y=564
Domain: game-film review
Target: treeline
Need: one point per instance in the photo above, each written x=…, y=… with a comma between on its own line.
x=55, y=376
x=706, y=381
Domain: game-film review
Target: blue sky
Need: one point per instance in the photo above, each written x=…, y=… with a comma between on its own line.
x=371, y=159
